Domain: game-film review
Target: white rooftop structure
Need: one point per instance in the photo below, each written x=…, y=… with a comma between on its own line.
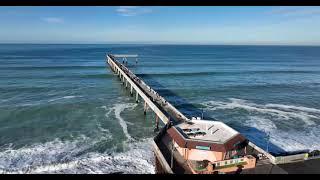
x=206, y=130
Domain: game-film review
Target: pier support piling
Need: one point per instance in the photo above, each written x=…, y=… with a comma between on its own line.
x=145, y=108
x=157, y=123
x=129, y=79
x=137, y=97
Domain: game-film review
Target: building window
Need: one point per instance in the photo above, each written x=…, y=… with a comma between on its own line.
x=226, y=162
x=218, y=164
x=231, y=161
x=241, y=159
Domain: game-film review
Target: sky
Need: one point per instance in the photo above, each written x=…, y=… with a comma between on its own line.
x=262, y=25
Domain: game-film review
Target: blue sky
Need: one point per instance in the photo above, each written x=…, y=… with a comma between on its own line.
x=149, y=24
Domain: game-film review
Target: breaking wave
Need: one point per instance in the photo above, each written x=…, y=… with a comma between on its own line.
x=283, y=112
x=277, y=120
x=301, y=108
x=63, y=157
x=78, y=155
x=288, y=141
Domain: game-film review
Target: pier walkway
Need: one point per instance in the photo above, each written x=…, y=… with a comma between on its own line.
x=164, y=110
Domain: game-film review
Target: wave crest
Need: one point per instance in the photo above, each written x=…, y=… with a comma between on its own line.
x=62, y=157
x=283, y=112
x=277, y=120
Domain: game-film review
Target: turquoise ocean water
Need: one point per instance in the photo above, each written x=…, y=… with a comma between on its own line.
x=62, y=110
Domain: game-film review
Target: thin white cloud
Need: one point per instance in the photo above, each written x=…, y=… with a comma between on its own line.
x=132, y=10
x=53, y=20
x=295, y=11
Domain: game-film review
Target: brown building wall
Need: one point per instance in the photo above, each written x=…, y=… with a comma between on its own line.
x=191, y=144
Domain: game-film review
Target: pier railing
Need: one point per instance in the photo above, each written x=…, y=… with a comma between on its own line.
x=126, y=75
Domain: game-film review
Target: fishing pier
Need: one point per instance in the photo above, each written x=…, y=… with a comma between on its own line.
x=150, y=97
x=192, y=145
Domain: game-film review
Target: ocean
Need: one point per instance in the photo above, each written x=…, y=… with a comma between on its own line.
x=62, y=110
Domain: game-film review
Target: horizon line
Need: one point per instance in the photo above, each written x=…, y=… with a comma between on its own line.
x=155, y=43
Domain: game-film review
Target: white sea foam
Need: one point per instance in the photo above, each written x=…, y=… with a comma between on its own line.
x=301, y=108
x=64, y=97
x=106, y=133
x=108, y=110
x=72, y=157
x=261, y=123
x=61, y=157
x=118, y=108
x=287, y=140
x=30, y=104
x=129, y=123
x=268, y=117
x=283, y=114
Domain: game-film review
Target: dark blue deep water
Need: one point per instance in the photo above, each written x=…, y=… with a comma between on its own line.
x=62, y=110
